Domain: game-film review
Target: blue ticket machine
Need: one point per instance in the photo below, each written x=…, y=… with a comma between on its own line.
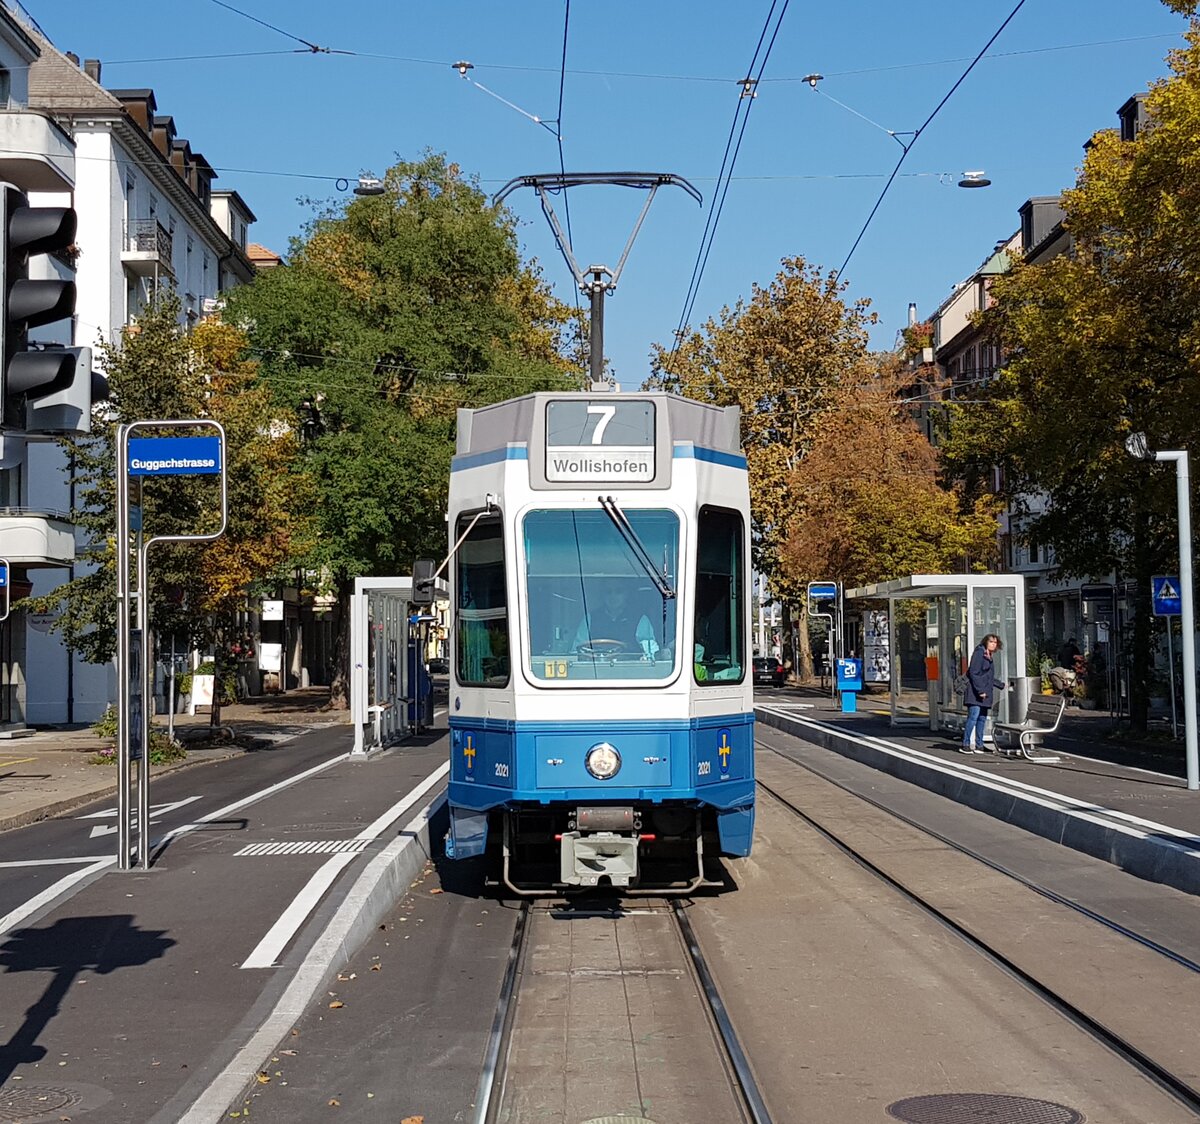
x=849, y=683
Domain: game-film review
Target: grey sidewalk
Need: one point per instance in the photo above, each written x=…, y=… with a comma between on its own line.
x=49, y=772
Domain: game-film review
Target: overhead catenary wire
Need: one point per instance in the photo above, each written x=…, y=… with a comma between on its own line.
x=907, y=148
x=728, y=161
x=646, y=75
x=312, y=47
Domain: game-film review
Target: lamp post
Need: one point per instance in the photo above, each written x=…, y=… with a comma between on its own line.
x=1135, y=446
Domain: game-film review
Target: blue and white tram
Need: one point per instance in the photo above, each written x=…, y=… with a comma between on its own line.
x=602, y=730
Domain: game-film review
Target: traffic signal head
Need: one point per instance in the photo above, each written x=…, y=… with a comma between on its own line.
x=27, y=375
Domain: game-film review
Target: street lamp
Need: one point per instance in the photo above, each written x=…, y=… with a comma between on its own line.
x=1136, y=446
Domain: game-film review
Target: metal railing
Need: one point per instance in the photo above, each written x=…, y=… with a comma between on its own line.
x=148, y=236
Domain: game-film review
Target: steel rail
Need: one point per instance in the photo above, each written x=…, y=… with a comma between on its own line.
x=747, y=1086
x=489, y=1093
x=1158, y=1075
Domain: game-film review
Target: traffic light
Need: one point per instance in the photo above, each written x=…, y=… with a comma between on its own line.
x=28, y=375
x=68, y=410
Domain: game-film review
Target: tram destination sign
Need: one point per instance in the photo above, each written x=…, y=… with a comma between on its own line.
x=174, y=456
x=594, y=441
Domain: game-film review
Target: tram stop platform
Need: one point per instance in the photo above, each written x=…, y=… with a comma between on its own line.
x=1128, y=806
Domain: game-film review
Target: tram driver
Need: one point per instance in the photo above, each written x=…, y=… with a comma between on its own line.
x=615, y=627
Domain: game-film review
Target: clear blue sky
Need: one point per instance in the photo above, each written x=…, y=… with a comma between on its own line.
x=652, y=86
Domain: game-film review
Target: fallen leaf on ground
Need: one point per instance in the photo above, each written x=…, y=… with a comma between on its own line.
x=435, y=890
x=337, y=1003
x=334, y=1102
x=413, y=1120
x=376, y=967
x=264, y=1078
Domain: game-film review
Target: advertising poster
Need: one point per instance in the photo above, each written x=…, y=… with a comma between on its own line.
x=877, y=665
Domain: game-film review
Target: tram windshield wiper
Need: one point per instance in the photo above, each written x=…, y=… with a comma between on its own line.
x=636, y=546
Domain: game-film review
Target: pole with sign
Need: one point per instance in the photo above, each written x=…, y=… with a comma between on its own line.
x=140, y=458
x=5, y=588
x=1168, y=603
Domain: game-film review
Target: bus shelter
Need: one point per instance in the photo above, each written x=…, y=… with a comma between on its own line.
x=934, y=623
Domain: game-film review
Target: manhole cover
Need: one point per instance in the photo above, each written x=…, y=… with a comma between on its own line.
x=28, y=1102
x=974, y=1108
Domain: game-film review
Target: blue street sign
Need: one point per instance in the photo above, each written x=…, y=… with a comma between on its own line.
x=823, y=591
x=4, y=589
x=3, y=574
x=1167, y=599
x=174, y=456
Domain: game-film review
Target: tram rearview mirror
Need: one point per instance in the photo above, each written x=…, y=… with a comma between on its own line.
x=422, y=581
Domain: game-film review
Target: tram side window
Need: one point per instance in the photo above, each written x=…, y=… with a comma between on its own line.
x=482, y=636
x=720, y=652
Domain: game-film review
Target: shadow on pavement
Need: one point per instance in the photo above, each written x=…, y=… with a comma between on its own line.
x=68, y=947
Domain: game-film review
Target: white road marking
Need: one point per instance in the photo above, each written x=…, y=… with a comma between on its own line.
x=1098, y=814
x=269, y=949
x=246, y=801
x=16, y=863
x=14, y=917
x=157, y=811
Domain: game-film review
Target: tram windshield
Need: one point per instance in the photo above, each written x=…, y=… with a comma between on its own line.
x=594, y=611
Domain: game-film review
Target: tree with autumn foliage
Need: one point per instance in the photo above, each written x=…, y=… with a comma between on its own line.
x=870, y=507
x=779, y=356
x=159, y=371
x=390, y=313
x=1100, y=343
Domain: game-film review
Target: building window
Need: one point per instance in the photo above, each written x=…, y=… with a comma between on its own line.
x=5, y=86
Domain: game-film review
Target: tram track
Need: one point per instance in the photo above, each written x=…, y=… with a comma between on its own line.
x=1000, y=868
x=1153, y=1071
x=490, y=1100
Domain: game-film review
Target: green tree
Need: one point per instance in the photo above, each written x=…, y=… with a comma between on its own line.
x=391, y=312
x=158, y=371
x=1097, y=344
x=779, y=357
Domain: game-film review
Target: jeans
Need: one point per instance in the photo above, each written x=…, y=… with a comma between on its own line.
x=976, y=722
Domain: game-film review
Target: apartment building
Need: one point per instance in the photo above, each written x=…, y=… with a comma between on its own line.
x=147, y=217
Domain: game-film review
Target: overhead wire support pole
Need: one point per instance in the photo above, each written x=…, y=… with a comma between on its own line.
x=592, y=280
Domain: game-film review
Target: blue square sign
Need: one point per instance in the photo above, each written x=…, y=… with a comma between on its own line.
x=1167, y=599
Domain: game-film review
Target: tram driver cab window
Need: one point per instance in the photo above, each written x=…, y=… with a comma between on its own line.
x=482, y=639
x=595, y=612
x=719, y=653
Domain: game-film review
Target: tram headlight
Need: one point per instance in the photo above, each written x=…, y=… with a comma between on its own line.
x=603, y=761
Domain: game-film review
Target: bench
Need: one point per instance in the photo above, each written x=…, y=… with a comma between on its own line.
x=1043, y=717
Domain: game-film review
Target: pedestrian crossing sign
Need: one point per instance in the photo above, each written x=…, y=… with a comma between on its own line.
x=1167, y=601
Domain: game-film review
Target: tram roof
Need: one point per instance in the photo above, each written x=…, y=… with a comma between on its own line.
x=516, y=420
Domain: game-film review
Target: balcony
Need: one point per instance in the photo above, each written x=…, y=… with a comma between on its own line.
x=146, y=251
x=36, y=538
x=35, y=153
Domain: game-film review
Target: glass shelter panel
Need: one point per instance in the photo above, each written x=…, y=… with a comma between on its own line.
x=595, y=612
x=995, y=610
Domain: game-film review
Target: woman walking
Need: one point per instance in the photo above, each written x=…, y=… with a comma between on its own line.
x=980, y=695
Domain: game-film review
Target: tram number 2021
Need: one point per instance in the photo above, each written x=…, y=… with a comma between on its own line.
x=704, y=769
x=501, y=770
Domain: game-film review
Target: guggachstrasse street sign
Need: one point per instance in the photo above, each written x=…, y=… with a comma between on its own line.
x=174, y=456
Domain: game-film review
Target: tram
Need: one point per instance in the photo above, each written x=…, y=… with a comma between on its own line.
x=601, y=716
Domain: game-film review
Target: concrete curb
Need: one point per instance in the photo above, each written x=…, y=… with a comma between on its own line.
x=381, y=884
x=1136, y=850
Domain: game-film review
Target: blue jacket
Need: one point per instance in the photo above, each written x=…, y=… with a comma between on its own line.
x=982, y=684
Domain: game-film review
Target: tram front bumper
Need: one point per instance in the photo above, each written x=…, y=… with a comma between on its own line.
x=585, y=859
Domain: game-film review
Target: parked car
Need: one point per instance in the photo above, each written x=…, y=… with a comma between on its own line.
x=767, y=669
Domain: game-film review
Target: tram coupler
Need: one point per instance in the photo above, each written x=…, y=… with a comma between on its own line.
x=600, y=843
